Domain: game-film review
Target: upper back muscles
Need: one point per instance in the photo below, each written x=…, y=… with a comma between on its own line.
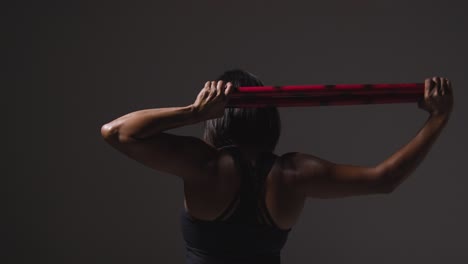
x=315, y=177
x=189, y=158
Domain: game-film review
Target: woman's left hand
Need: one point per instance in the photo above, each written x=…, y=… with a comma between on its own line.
x=212, y=99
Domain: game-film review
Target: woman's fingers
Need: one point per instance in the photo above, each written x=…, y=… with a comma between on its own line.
x=210, y=90
x=444, y=86
x=213, y=86
x=219, y=87
x=206, y=89
x=439, y=87
x=223, y=89
x=228, y=89
x=436, y=86
x=428, y=87
x=449, y=87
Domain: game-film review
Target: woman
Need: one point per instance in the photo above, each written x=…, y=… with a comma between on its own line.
x=241, y=199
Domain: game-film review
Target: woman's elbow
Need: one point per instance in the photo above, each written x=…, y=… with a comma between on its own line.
x=108, y=131
x=387, y=182
x=112, y=134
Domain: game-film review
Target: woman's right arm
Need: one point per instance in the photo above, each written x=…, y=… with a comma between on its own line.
x=315, y=177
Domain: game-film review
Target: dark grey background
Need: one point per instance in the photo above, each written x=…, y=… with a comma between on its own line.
x=73, y=66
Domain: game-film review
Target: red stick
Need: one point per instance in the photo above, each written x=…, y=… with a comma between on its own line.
x=315, y=95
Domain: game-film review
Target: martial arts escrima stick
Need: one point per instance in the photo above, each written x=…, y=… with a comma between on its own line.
x=319, y=95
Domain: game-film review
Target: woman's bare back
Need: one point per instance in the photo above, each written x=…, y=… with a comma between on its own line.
x=207, y=199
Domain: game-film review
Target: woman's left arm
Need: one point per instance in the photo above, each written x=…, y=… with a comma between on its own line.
x=140, y=136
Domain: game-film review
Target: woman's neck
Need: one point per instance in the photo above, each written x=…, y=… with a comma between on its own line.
x=250, y=153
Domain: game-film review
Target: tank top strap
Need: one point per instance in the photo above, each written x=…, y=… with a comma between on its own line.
x=265, y=162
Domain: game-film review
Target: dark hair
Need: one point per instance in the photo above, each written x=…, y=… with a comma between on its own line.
x=259, y=127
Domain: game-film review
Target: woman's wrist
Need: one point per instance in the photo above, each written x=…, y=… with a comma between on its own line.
x=197, y=116
x=439, y=118
x=444, y=115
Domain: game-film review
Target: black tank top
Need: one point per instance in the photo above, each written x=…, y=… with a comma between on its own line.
x=249, y=234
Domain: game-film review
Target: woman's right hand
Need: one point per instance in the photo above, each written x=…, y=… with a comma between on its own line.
x=212, y=99
x=438, y=96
